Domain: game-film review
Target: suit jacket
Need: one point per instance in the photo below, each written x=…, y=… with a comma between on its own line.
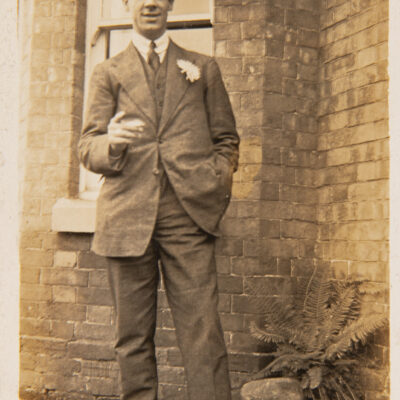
x=195, y=140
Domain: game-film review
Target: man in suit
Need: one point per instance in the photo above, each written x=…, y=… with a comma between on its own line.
x=160, y=129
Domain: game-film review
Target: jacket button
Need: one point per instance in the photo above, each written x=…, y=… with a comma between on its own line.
x=156, y=171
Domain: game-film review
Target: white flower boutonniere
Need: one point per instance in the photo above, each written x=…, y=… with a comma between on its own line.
x=191, y=70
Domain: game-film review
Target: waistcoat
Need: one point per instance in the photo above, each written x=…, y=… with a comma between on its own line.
x=157, y=82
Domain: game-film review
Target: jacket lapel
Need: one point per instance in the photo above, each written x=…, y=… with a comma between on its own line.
x=130, y=73
x=176, y=85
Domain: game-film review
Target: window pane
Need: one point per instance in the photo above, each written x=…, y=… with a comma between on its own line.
x=119, y=40
x=191, y=7
x=114, y=9
x=199, y=40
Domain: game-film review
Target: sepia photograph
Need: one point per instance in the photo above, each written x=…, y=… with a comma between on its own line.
x=199, y=199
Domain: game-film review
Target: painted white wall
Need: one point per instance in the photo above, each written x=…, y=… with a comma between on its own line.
x=9, y=266
x=394, y=121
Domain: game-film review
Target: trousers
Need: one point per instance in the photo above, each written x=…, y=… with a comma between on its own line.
x=185, y=255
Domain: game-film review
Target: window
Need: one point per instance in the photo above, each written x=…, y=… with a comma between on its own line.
x=109, y=25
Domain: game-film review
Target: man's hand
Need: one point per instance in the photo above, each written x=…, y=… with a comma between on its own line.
x=121, y=133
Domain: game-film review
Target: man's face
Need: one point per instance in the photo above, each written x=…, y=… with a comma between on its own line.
x=150, y=17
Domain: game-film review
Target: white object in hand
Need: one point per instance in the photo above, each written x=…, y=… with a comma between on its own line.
x=123, y=132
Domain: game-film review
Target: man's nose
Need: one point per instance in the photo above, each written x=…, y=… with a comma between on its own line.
x=150, y=3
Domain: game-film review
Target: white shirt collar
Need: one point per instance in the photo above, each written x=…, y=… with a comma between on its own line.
x=143, y=44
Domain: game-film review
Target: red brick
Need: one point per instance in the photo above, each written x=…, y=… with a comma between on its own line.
x=166, y=338
x=94, y=296
x=232, y=322
x=34, y=327
x=35, y=292
x=270, y=229
x=224, y=303
x=171, y=375
x=65, y=312
x=99, y=314
x=229, y=247
x=36, y=258
x=89, y=351
x=230, y=66
x=249, y=363
x=174, y=357
x=30, y=275
x=230, y=284
x=221, y=14
x=42, y=345
x=227, y=31
x=269, y=192
x=64, y=294
x=98, y=278
x=56, y=276
x=169, y=391
x=253, y=29
x=62, y=330
x=248, y=266
x=103, y=386
x=223, y=264
x=247, y=209
x=302, y=19
x=94, y=331
x=100, y=368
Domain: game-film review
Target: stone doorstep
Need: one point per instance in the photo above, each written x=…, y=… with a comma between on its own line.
x=272, y=389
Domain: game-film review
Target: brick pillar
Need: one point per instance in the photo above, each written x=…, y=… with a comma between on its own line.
x=240, y=47
x=268, y=52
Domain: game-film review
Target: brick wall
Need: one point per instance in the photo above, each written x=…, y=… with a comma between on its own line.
x=307, y=80
x=353, y=147
x=51, y=102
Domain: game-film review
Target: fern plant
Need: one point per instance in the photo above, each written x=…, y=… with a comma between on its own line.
x=317, y=335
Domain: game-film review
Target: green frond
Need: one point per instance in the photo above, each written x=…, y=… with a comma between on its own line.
x=291, y=362
x=265, y=336
x=287, y=348
x=339, y=389
x=309, y=394
x=281, y=319
x=372, y=288
x=322, y=393
x=352, y=395
x=356, y=332
x=339, y=313
x=316, y=332
x=316, y=297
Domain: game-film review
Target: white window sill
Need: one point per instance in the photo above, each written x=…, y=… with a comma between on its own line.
x=74, y=215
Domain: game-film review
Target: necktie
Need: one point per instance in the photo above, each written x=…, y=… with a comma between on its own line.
x=153, y=58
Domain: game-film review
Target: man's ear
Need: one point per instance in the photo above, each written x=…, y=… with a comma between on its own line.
x=171, y=5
